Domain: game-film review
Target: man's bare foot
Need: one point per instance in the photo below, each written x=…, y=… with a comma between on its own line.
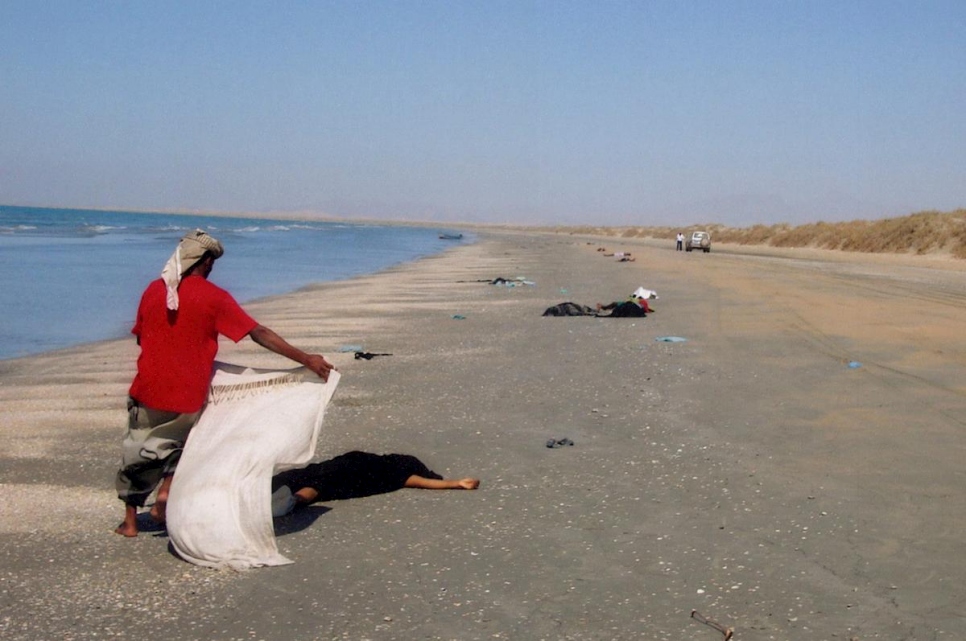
x=468, y=484
x=159, y=511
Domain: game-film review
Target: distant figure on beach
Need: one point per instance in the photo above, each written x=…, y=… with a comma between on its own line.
x=179, y=320
x=680, y=242
x=354, y=475
x=621, y=255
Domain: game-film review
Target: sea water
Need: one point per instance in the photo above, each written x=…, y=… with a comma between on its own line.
x=71, y=276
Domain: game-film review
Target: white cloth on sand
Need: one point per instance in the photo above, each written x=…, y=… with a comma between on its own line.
x=640, y=292
x=256, y=423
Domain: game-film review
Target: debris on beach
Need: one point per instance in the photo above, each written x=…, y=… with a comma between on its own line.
x=512, y=282
x=670, y=339
x=500, y=280
x=711, y=623
x=350, y=348
x=854, y=365
x=459, y=317
x=369, y=355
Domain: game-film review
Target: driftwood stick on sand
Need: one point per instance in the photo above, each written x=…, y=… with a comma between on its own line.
x=727, y=632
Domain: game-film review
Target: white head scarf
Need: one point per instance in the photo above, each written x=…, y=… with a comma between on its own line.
x=189, y=251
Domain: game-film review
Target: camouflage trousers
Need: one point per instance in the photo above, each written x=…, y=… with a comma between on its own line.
x=150, y=450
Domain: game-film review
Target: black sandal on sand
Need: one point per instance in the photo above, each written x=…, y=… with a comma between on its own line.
x=559, y=443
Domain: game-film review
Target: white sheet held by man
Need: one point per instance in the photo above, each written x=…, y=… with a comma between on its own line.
x=257, y=422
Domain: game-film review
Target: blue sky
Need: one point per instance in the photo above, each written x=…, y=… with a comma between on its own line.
x=604, y=112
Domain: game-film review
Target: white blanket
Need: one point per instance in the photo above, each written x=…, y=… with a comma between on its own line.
x=640, y=292
x=257, y=422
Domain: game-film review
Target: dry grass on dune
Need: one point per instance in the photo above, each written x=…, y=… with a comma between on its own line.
x=926, y=232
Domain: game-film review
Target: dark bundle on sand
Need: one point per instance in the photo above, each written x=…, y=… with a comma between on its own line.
x=569, y=309
x=627, y=309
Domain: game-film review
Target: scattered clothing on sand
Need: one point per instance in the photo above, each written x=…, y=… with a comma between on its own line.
x=670, y=339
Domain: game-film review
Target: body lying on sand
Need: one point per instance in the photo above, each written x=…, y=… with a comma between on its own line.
x=633, y=307
x=354, y=475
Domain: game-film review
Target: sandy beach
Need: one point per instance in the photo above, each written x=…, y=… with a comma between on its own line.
x=748, y=473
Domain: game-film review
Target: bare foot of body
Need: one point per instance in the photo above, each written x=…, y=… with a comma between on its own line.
x=306, y=495
x=159, y=511
x=422, y=483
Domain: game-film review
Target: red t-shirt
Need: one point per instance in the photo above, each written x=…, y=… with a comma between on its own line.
x=178, y=348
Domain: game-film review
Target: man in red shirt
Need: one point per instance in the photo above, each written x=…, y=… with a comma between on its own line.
x=179, y=320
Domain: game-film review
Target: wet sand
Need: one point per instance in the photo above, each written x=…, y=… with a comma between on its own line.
x=748, y=473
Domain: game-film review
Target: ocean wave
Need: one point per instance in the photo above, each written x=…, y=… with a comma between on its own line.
x=100, y=229
x=165, y=228
x=315, y=252
x=15, y=228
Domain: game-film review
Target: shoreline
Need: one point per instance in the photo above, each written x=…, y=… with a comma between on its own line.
x=747, y=473
x=615, y=234
x=104, y=308
x=934, y=261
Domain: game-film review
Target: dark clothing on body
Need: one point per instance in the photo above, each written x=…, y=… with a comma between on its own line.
x=354, y=475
